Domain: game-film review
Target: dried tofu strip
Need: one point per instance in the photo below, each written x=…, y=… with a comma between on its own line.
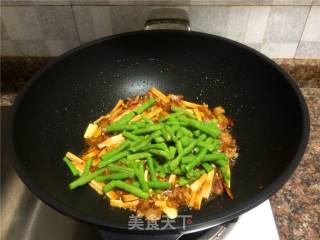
x=129, y=197
x=146, y=173
x=196, y=192
x=121, y=115
x=73, y=157
x=117, y=106
x=112, y=195
x=191, y=105
x=135, y=118
x=95, y=162
x=91, y=130
x=218, y=110
x=97, y=186
x=197, y=114
x=115, y=113
x=208, y=184
x=198, y=198
x=99, y=119
x=102, y=152
x=153, y=113
x=159, y=94
x=172, y=179
x=120, y=204
x=91, y=154
x=115, y=140
x=172, y=213
x=196, y=185
x=97, y=133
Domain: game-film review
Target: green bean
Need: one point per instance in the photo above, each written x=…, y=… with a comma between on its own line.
x=141, y=155
x=161, y=153
x=179, y=134
x=131, y=189
x=147, y=129
x=207, y=167
x=125, y=118
x=197, y=133
x=151, y=169
x=194, y=173
x=145, y=141
x=113, y=159
x=184, y=111
x=225, y=170
x=210, y=147
x=184, y=181
x=145, y=105
x=121, y=169
x=139, y=172
x=170, y=116
x=187, y=159
x=162, y=174
x=70, y=165
x=189, y=148
x=196, y=150
x=166, y=167
x=172, y=151
x=171, y=132
x=85, y=179
x=197, y=160
x=210, y=129
x=86, y=170
x=136, y=184
x=145, y=119
x=185, y=141
x=179, y=147
x=161, y=146
x=124, y=161
x=157, y=184
x=159, y=139
x=177, y=171
x=108, y=187
x=176, y=122
x=174, y=163
x=155, y=164
x=215, y=157
x=187, y=132
x=175, y=128
x=112, y=176
x=216, y=144
x=131, y=136
x=120, y=127
x=166, y=135
x=115, y=151
x=136, y=124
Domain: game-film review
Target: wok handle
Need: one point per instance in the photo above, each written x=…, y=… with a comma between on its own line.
x=168, y=18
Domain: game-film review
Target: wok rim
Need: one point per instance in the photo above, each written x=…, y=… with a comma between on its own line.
x=233, y=213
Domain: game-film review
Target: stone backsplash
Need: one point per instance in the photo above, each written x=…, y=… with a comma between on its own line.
x=277, y=28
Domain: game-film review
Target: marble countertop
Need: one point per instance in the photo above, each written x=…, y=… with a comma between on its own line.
x=296, y=205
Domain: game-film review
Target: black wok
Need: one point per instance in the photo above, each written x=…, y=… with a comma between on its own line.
x=51, y=114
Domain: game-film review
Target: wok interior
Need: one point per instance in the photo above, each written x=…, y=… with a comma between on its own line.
x=82, y=86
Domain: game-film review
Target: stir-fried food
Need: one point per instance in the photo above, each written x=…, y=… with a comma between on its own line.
x=155, y=153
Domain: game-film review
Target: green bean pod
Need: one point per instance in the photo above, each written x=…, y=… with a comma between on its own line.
x=70, y=165
x=112, y=176
x=85, y=179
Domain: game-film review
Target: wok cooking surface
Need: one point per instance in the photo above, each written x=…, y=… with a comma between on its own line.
x=271, y=118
